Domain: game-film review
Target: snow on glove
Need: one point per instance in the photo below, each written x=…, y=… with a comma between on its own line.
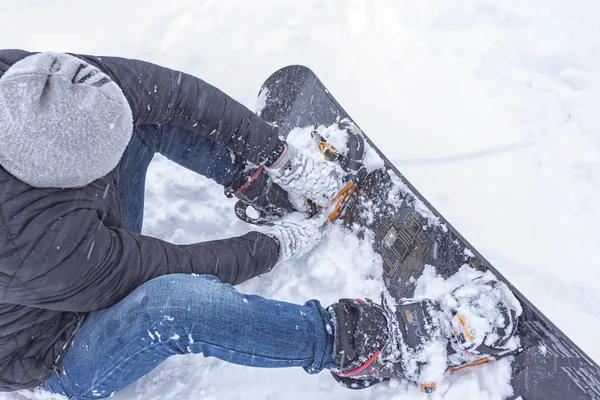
x=308, y=175
x=297, y=235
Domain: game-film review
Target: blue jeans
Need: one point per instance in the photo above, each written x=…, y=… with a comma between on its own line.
x=190, y=150
x=181, y=314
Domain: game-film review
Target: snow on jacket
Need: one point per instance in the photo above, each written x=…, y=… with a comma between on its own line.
x=63, y=252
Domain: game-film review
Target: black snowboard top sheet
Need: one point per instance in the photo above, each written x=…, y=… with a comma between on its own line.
x=551, y=367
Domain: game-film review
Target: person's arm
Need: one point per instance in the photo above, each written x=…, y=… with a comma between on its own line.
x=100, y=265
x=159, y=95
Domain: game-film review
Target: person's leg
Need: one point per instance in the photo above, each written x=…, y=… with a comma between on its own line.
x=132, y=174
x=199, y=154
x=180, y=314
x=190, y=150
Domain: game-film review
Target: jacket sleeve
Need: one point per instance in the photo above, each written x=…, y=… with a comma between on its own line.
x=105, y=265
x=158, y=95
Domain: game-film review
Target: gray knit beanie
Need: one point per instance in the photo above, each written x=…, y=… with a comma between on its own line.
x=63, y=122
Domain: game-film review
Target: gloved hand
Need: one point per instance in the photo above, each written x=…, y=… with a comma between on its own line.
x=254, y=187
x=303, y=174
x=297, y=234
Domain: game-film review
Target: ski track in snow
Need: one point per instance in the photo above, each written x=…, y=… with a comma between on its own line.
x=426, y=81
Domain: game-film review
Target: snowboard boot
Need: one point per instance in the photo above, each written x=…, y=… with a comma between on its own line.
x=372, y=342
x=419, y=341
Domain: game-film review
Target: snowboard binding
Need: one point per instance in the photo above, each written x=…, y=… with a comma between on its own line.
x=351, y=163
x=373, y=342
x=485, y=318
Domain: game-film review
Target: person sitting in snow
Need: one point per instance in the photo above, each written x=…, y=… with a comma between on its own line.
x=89, y=305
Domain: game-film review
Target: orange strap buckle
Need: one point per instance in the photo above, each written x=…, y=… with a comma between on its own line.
x=326, y=149
x=428, y=388
x=338, y=201
x=474, y=363
x=461, y=321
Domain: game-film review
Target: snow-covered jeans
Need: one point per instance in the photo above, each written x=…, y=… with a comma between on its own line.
x=182, y=314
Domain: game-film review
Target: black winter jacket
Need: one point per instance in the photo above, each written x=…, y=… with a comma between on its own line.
x=63, y=252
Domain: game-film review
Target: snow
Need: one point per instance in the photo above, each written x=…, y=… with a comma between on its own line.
x=261, y=101
x=487, y=107
x=307, y=173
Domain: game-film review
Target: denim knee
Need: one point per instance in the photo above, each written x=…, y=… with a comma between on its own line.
x=185, y=281
x=177, y=290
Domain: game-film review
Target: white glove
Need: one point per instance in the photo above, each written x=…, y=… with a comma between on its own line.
x=303, y=174
x=297, y=235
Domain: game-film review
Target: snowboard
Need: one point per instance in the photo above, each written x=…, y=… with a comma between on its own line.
x=410, y=234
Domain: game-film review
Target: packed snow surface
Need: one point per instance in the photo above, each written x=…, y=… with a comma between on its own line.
x=488, y=107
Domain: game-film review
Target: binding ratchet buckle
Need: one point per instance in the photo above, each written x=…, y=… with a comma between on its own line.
x=337, y=203
x=428, y=388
